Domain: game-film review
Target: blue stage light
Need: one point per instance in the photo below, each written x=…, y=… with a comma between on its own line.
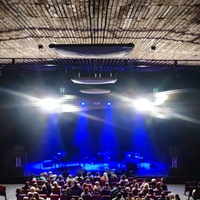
x=108, y=103
x=82, y=103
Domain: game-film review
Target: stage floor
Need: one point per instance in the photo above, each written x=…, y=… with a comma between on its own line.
x=143, y=169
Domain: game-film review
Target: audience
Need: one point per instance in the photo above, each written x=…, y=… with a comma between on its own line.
x=86, y=186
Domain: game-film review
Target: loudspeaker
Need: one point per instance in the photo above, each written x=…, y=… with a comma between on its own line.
x=131, y=166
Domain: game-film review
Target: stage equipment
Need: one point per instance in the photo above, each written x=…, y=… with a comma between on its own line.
x=94, y=80
x=132, y=159
x=133, y=156
x=131, y=166
x=95, y=91
x=47, y=163
x=92, y=50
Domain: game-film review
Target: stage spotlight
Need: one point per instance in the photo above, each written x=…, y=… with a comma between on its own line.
x=82, y=103
x=108, y=103
x=143, y=105
x=69, y=108
x=49, y=104
x=161, y=97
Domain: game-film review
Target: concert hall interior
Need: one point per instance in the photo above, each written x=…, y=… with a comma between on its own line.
x=105, y=132
x=109, y=85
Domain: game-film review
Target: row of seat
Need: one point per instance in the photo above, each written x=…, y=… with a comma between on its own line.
x=93, y=197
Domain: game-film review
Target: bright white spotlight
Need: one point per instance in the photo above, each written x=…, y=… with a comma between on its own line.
x=161, y=97
x=143, y=105
x=49, y=104
x=69, y=108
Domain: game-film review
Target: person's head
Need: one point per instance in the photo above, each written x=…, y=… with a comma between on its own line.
x=70, y=176
x=97, y=183
x=26, y=184
x=177, y=197
x=45, y=174
x=136, y=185
x=75, y=183
x=163, y=194
x=87, y=181
x=79, y=174
x=55, y=184
x=32, y=189
x=151, y=191
x=153, y=180
x=86, y=190
x=119, y=195
x=18, y=190
x=105, y=174
x=35, y=184
x=30, y=195
x=163, y=180
x=36, y=195
x=97, y=174
x=130, y=194
x=127, y=189
x=89, y=174
x=106, y=184
x=171, y=196
x=123, y=177
x=44, y=187
x=145, y=180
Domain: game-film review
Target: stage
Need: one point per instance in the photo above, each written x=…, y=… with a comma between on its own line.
x=143, y=169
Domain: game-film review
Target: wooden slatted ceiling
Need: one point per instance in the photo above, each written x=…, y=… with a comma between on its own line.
x=171, y=25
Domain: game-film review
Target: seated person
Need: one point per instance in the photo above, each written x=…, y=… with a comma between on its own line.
x=106, y=190
x=86, y=192
x=119, y=197
x=30, y=196
x=196, y=192
x=76, y=189
x=67, y=193
x=56, y=189
x=150, y=195
x=37, y=197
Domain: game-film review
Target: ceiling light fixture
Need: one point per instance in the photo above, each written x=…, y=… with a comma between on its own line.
x=92, y=50
x=95, y=91
x=94, y=80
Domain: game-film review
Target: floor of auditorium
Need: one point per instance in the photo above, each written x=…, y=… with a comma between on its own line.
x=174, y=188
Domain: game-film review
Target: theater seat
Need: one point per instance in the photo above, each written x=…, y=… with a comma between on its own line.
x=21, y=196
x=3, y=191
x=44, y=196
x=96, y=197
x=75, y=197
x=54, y=196
x=87, y=197
x=64, y=197
x=106, y=197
